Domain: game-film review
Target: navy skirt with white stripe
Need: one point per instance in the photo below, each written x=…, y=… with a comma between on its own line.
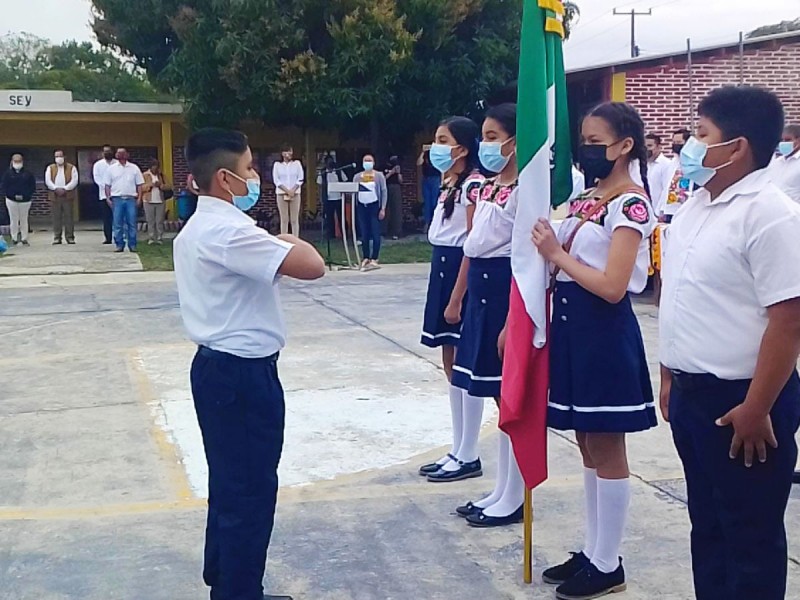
x=478, y=368
x=445, y=264
x=599, y=380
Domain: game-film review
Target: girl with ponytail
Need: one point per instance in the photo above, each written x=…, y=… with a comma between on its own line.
x=455, y=155
x=599, y=380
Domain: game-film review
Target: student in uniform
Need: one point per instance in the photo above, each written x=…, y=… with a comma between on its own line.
x=489, y=250
x=678, y=189
x=227, y=272
x=785, y=169
x=600, y=384
x=455, y=155
x=730, y=338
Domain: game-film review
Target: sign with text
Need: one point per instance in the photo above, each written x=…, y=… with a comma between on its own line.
x=34, y=100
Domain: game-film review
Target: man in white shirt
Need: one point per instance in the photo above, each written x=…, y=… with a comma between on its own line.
x=659, y=172
x=288, y=178
x=227, y=270
x=123, y=183
x=677, y=189
x=730, y=339
x=785, y=169
x=333, y=200
x=99, y=171
x=61, y=179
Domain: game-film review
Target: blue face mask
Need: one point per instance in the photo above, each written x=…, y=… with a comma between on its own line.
x=491, y=155
x=442, y=157
x=692, y=157
x=245, y=203
x=368, y=165
x=786, y=148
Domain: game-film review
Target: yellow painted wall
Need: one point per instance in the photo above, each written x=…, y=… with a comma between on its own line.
x=618, y=85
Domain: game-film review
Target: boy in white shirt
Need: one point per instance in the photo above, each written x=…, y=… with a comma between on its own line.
x=730, y=338
x=227, y=273
x=785, y=169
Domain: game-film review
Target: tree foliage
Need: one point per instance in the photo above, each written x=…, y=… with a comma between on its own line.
x=389, y=66
x=782, y=27
x=29, y=62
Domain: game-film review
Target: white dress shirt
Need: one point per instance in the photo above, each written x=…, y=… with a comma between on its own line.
x=123, y=179
x=578, y=183
x=677, y=190
x=593, y=241
x=785, y=173
x=99, y=171
x=226, y=269
x=453, y=231
x=61, y=179
x=659, y=176
x=493, y=222
x=287, y=175
x=725, y=262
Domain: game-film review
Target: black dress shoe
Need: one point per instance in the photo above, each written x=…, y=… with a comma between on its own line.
x=796, y=477
x=592, y=583
x=271, y=597
x=468, y=509
x=484, y=521
x=107, y=242
x=464, y=471
x=561, y=573
x=426, y=470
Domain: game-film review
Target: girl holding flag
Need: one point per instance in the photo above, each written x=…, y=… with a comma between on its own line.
x=478, y=367
x=600, y=384
x=455, y=155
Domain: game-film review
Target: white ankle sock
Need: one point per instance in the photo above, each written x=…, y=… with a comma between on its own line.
x=590, y=489
x=503, y=445
x=472, y=421
x=613, y=500
x=514, y=492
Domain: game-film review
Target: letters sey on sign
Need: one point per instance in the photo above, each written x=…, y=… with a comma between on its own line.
x=20, y=100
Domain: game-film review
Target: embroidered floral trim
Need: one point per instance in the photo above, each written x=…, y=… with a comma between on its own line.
x=584, y=204
x=636, y=210
x=495, y=193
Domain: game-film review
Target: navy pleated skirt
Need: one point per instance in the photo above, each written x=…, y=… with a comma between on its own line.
x=478, y=368
x=599, y=379
x=445, y=265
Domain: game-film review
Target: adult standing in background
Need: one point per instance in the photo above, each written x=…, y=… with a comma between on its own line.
x=152, y=195
x=99, y=175
x=658, y=170
x=61, y=179
x=394, y=207
x=785, y=170
x=288, y=178
x=333, y=200
x=679, y=188
x=19, y=186
x=372, y=211
x=123, y=182
x=431, y=185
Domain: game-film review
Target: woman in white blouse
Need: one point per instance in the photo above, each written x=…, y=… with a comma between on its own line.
x=288, y=177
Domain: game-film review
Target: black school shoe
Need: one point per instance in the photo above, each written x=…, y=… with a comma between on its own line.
x=484, y=521
x=591, y=583
x=270, y=597
x=468, y=509
x=432, y=468
x=561, y=573
x=464, y=471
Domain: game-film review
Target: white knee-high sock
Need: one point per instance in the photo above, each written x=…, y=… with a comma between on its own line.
x=503, y=445
x=472, y=421
x=514, y=492
x=590, y=489
x=457, y=418
x=613, y=500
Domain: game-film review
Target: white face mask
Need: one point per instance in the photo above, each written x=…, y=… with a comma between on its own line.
x=17, y=166
x=59, y=160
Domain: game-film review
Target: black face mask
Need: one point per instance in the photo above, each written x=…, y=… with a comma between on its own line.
x=650, y=154
x=108, y=155
x=676, y=149
x=593, y=161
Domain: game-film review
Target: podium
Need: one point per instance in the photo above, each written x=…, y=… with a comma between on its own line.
x=346, y=188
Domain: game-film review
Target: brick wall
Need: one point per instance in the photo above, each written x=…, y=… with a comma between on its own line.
x=661, y=93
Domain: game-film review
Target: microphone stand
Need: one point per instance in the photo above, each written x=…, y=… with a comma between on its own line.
x=322, y=173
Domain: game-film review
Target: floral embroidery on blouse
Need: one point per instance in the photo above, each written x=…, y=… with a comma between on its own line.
x=584, y=204
x=496, y=193
x=636, y=210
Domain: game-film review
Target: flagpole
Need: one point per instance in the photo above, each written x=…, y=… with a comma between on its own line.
x=527, y=512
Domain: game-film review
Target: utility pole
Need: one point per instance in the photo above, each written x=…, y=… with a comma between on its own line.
x=633, y=14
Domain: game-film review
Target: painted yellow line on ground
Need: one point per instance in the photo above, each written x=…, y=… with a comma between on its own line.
x=176, y=474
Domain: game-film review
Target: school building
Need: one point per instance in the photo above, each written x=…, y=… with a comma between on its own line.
x=36, y=123
x=666, y=89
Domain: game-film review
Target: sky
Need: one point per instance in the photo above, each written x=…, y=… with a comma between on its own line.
x=599, y=37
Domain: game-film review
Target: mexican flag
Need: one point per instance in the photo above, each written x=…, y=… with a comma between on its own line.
x=545, y=180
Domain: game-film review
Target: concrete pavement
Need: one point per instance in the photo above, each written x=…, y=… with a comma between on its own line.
x=103, y=480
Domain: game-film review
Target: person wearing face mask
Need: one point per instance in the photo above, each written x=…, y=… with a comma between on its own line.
x=479, y=361
x=61, y=179
x=288, y=177
x=599, y=380
x=227, y=271
x=659, y=170
x=785, y=169
x=677, y=189
x=729, y=343
x=19, y=186
x=153, y=193
x=99, y=175
x=372, y=198
x=124, y=181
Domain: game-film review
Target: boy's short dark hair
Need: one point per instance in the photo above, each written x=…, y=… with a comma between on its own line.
x=211, y=149
x=793, y=130
x=683, y=132
x=653, y=136
x=286, y=148
x=749, y=112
